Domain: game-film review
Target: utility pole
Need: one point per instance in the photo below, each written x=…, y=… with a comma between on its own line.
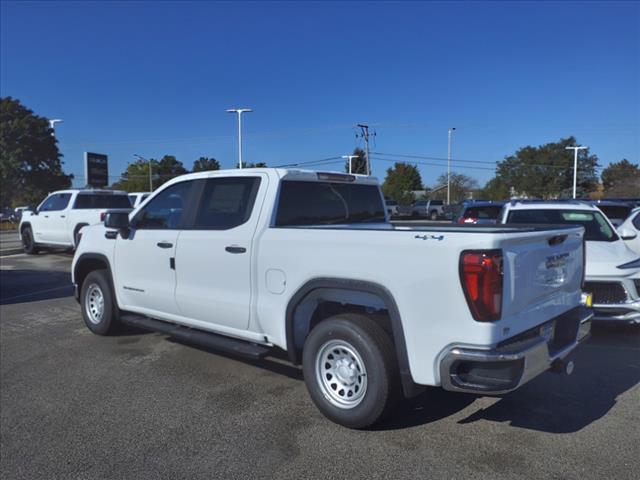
x=364, y=133
x=575, y=165
x=350, y=157
x=150, y=173
x=52, y=125
x=449, y=167
x=239, y=111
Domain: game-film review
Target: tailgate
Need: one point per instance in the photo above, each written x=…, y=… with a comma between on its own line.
x=542, y=273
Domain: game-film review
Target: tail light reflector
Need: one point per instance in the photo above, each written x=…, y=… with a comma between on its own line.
x=481, y=277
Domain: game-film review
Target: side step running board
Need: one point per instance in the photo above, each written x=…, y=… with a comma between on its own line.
x=198, y=337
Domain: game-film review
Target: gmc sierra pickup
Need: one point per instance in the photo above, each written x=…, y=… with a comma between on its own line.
x=246, y=261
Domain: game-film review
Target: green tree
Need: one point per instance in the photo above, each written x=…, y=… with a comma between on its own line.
x=621, y=179
x=547, y=171
x=204, y=164
x=136, y=177
x=495, y=189
x=400, y=181
x=460, y=186
x=358, y=165
x=30, y=165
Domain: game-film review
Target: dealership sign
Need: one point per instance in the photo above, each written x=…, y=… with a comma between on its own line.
x=96, y=169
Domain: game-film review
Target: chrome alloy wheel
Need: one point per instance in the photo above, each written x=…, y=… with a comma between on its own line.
x=94, y=303
x=341, y=374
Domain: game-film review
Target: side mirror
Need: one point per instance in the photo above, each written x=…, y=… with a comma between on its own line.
x=627, y=234
x=117, y=220
x=33, y=210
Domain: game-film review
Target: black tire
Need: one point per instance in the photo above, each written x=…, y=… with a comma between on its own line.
x=374, y=348
x=101, y=321
x=28, y=243
x=434, y=215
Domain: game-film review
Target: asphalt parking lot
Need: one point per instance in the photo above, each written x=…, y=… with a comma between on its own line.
x=139, y=405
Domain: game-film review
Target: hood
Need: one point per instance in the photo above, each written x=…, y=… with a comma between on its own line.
x=604, y=257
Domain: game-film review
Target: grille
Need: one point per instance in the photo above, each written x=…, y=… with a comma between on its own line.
x=637, y=282
x=606, y=292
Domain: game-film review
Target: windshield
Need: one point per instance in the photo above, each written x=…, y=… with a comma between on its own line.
x=596, y=227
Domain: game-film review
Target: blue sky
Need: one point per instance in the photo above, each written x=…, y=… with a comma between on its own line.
x=155, y=78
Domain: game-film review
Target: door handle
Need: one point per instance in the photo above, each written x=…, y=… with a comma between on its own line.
x=235, y=249
x=46, y=216
x=62, y=216
x=165, y=244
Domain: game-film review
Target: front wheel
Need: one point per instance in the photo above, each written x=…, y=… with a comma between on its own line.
x=96, y=300
x=28, y=244
x=350, y=370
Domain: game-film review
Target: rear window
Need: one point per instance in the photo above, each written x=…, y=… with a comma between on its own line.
x=324, y=203
x=596, y=227
x=437, y=202
x=89, y=201
x=490, y=212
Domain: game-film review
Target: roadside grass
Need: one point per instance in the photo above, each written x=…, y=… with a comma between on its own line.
x=8, y=227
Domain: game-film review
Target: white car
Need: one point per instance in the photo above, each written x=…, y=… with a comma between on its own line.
x=136, y=198
x=612, y=269
x=248, y=260
x=57, y=221
x=629, y=230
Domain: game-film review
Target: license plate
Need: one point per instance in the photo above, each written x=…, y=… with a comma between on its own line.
x=547, y=330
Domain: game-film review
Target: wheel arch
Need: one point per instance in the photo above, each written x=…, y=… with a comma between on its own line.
x=304, y=304
x=24, y=225
x=87, y=263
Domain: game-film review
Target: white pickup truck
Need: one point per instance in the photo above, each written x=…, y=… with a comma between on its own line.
x=57, y=221
x=246, y=261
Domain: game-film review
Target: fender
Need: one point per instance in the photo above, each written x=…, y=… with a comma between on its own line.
x=93, y=256
x=408, y=385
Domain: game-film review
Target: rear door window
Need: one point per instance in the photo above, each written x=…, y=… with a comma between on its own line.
x=226, y=202
x=324, y=203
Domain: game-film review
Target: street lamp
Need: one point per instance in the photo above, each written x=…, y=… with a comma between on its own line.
x=139, y=157
x=52, y=125
x=350, y=157
x=575, y=165
x=239, y=111
x=449, y=167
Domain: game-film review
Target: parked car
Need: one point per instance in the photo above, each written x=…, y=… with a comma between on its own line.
x=483, y=213
x=57, y=221
x=432, y=209
x=612, y=269
x=7, y=215
x=392, y=208
x=248, y=260
x=136, y=198
x=629, y=231
x=616, y=211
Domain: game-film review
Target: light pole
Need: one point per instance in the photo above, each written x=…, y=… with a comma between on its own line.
x=449, y=167
x=52, y=125
x=350, y=157
x=239, y=111
x=575, y=165
x=150, y=175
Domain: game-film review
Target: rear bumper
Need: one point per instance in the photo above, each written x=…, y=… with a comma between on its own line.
x=516, y=361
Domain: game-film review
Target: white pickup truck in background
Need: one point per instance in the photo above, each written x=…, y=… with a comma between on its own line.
x=58, y=219
x=246, y=261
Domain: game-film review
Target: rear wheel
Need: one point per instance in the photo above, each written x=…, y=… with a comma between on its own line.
x=350, y=370
x=28, y=244
x=96, y=299
x=434, y=215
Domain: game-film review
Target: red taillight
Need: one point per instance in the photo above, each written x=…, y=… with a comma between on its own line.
x=481, y=277
x=102, y=215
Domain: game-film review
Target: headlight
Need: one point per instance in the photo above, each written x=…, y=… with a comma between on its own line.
x=633, y=264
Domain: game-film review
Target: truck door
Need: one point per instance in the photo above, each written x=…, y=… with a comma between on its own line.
x=213, y=258
x=145, y=277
